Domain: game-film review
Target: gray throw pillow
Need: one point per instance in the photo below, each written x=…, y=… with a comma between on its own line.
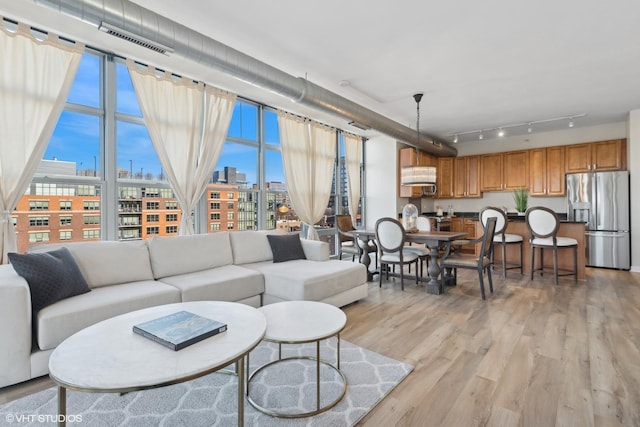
x=286, y=247
x=52, y=276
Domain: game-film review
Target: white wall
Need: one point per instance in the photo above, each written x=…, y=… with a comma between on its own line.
x=381, y=158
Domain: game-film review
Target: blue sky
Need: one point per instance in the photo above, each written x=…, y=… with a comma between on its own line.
x=77, y=135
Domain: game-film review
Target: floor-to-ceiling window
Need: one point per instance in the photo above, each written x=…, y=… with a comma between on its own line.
x=101, y=179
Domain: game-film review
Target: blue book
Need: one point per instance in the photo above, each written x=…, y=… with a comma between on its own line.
x=179, y=330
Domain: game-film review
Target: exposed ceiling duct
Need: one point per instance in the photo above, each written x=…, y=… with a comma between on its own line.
x=152, y=29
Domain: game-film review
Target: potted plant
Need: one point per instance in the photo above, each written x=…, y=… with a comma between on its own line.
x=521, y=197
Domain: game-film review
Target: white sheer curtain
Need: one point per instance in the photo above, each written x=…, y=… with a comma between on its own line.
x=188, y=124
x=352, y=145
x=308, y=154
x=35, y=79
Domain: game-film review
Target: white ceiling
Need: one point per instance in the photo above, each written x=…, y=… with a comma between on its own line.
x=480, y=64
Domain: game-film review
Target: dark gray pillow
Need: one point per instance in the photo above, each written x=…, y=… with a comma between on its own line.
x=52, y=276
x=286, y=247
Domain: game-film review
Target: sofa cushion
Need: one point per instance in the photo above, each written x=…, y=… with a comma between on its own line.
x=310, y=280
x=286, y=247
x=171, y=256
x=52, y=276
x=251, y=246
x=226, y=283
x=58, y=321
x=105, y=263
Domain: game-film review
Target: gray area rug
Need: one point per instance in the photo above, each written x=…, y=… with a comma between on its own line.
x=212, y=400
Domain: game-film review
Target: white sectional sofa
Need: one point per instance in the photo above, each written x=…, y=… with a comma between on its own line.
x=127, y=276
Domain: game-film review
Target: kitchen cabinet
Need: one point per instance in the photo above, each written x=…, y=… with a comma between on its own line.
x=445, y=177
x=412, y=157
x=469, y=226
x=505, y=171
x=601, y=155
x=466, y=181
x=515, y=170
x=546, y=167
x=491, y=172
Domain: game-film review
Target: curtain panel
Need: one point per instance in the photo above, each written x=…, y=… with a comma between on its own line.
x=308, y=155
x=188, y=123
x=35, y=79
x=352, y=150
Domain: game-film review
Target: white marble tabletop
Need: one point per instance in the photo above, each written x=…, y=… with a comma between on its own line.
x=302, y=321
x=109, y=356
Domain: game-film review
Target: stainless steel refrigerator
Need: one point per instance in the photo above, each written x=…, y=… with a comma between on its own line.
x=601, y=200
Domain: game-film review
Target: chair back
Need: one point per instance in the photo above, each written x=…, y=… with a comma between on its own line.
x=423, y=223
x=487, y=238
x=344, y=224
x=542, y=222
x=501, y=218
x=390, y=235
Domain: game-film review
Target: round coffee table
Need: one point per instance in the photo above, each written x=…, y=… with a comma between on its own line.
x=108, y=357
x=299, y=322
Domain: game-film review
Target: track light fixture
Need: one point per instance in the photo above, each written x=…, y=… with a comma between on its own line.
x=501, y=130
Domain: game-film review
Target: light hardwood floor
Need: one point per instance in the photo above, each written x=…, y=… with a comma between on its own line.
x=532, y=354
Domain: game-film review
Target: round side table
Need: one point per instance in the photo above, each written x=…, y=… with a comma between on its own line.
x=299, y=322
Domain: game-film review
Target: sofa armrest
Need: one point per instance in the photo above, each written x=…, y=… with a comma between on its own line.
x=15, y=327
x=315, y=250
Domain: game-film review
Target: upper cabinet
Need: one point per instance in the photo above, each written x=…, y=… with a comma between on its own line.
x=546, y=171
x=602, y=155
x=515, y=170
x=491, y=172
x=445, y=177
x=412, y=157
x=467, y=177
x=505, y=171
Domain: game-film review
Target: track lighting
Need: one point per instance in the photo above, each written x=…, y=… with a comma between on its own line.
x=501, y=130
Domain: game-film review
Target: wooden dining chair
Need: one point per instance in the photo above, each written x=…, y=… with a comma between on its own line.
x=482, y=263
x=422, y=224
x=391, y=237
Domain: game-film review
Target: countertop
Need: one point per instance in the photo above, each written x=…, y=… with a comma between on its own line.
x=511, y=217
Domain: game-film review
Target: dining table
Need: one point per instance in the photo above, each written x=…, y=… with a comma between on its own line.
x=431, y=239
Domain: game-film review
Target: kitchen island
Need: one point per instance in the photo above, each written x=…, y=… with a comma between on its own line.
x=571, y=229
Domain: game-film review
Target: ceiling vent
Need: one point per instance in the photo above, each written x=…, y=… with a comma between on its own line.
x=140, y=41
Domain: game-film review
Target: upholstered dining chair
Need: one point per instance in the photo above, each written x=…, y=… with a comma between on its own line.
x=482, y=263
x=422, y=224
x=391, y=237
x=543, y=224
x=501, y=238
x=347, y=242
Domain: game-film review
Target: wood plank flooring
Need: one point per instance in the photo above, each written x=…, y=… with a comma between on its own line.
x=532, y=354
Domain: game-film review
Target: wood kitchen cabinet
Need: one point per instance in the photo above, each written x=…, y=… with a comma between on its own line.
x=467, y=225
x=515, y=170
x=412, y=157
x=445, y=177
x=601, y=155
x=505, y=171
x=546, y=171
x=466, y=181
x=491, y=172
